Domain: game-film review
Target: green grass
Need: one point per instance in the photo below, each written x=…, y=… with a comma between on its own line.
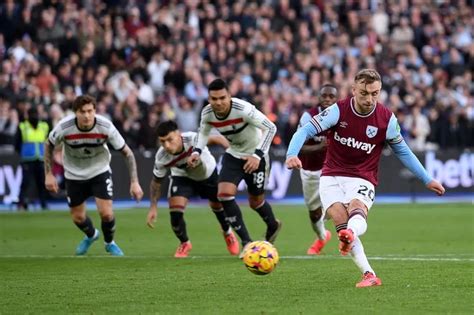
x=424, y=255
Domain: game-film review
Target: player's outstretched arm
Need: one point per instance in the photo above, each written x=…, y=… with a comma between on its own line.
x=308, y=148
x=296, y=143
x=436, y=187
x=155, y=192
x=293, y=162
x=406, y=156
x=135, y=189
x=218, y=140
x=50, y=180
x=201, y=142
x=193, y=159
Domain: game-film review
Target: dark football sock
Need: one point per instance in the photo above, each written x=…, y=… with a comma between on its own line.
x=87, y=227
x=220, y=215
x=234, y=217
x=179, y=225
x=108, y=228
x=266, y=213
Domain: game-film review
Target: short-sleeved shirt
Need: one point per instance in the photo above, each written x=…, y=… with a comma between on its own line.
x=356, y=140
x=85, y=152
x=178, y=162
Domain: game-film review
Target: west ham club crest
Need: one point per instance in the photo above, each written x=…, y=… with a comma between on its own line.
x=371, y=131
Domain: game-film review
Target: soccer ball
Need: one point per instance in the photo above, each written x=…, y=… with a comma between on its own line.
x=260, y=257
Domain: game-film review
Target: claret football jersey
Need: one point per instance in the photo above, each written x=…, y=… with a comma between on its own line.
x=356, y=140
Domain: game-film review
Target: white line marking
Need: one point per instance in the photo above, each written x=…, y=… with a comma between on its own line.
x=437, y=258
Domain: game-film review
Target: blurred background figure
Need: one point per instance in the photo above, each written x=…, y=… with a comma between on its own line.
x=8, y=126
x=418, y=127
x=32, y=133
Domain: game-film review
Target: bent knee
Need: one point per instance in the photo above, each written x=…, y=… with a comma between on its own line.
x=215, y=206
x=107, y=217
x=315, y=215
x=256, y=202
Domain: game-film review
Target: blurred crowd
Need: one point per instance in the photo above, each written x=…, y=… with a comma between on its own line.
x=148, y=61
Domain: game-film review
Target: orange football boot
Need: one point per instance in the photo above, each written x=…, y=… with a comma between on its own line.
x=183, y=250
x=232, y=243
x=346, y=237
x=318, y=245
x=369, y=280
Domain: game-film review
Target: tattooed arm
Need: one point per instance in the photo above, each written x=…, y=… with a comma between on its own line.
x=50, y=181
x=135, y=189
x=155, y=192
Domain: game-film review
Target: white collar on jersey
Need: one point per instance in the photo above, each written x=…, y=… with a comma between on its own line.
x=358, y=114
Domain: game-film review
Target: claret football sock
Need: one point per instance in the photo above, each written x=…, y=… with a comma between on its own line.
x=87, y=227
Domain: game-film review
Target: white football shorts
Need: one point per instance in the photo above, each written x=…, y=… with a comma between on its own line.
x=310, y=183
x=344, y=189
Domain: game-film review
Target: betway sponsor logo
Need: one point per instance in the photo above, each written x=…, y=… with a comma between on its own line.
x=353, y=143
x=453, y=173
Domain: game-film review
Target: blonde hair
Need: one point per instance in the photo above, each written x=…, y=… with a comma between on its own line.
x=367, y=76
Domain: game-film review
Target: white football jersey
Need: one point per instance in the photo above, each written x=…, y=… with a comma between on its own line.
x=178, y=163
x=85, y=153
x=245, y=127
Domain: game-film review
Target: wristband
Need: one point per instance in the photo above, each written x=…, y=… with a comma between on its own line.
x=259, y=153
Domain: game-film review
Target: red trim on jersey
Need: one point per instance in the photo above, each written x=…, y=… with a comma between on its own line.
x=180, y=207
x=180, y=157
x=78, y=136
x=224, y=123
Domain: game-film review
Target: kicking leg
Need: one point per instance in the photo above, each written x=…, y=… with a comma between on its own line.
x=338, y=213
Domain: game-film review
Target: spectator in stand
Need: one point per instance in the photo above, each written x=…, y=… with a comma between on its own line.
x=281, y=48
x=418, y=128
x=8, y=126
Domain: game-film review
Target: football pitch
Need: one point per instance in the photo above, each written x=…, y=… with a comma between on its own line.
x=424, y=255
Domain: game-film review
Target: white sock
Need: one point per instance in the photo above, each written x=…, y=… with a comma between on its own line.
x=96, y=233
x=359, y=258
x=228, y=231
x=320, y=229
x=357, y=224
